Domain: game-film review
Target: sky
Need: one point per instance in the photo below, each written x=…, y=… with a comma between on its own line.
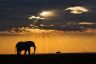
x=15, y=13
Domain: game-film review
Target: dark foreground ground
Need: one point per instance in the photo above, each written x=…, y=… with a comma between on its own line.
x=60, y=58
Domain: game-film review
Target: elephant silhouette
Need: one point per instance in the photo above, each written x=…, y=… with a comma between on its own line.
x=26, y=45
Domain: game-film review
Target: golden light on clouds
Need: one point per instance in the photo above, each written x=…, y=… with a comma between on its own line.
x=87, y=23
x=42, y=15
x=34, y=17
x=77, y=9
x=46, y=13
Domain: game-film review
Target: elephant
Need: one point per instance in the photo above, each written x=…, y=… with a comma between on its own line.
x=25, y=45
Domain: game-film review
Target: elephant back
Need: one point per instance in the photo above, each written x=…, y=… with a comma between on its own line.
x=30, y=43
x=25, y=44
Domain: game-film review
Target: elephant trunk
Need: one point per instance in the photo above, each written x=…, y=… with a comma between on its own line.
x=34, y=49
x=16, y=50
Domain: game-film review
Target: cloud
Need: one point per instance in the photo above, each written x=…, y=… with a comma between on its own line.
x=34, y=17
x=87, y=23
x=77, y=9
x=47, y=13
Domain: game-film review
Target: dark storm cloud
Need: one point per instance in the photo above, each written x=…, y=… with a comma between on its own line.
x=16, y=12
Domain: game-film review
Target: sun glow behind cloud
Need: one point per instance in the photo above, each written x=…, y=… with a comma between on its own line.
x=42, y=15
x=34, y=17
x=46, y=13
x=77, y=9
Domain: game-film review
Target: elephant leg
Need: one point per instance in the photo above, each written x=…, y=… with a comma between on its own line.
x=25, y=52
x=29, y=51
x=18, y=52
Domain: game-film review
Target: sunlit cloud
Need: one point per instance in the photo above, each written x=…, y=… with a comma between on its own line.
x=35, y=17
x=42, y=15
x=28, y=30
x=77, y=9
x=46, y=13
x=87, y=23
